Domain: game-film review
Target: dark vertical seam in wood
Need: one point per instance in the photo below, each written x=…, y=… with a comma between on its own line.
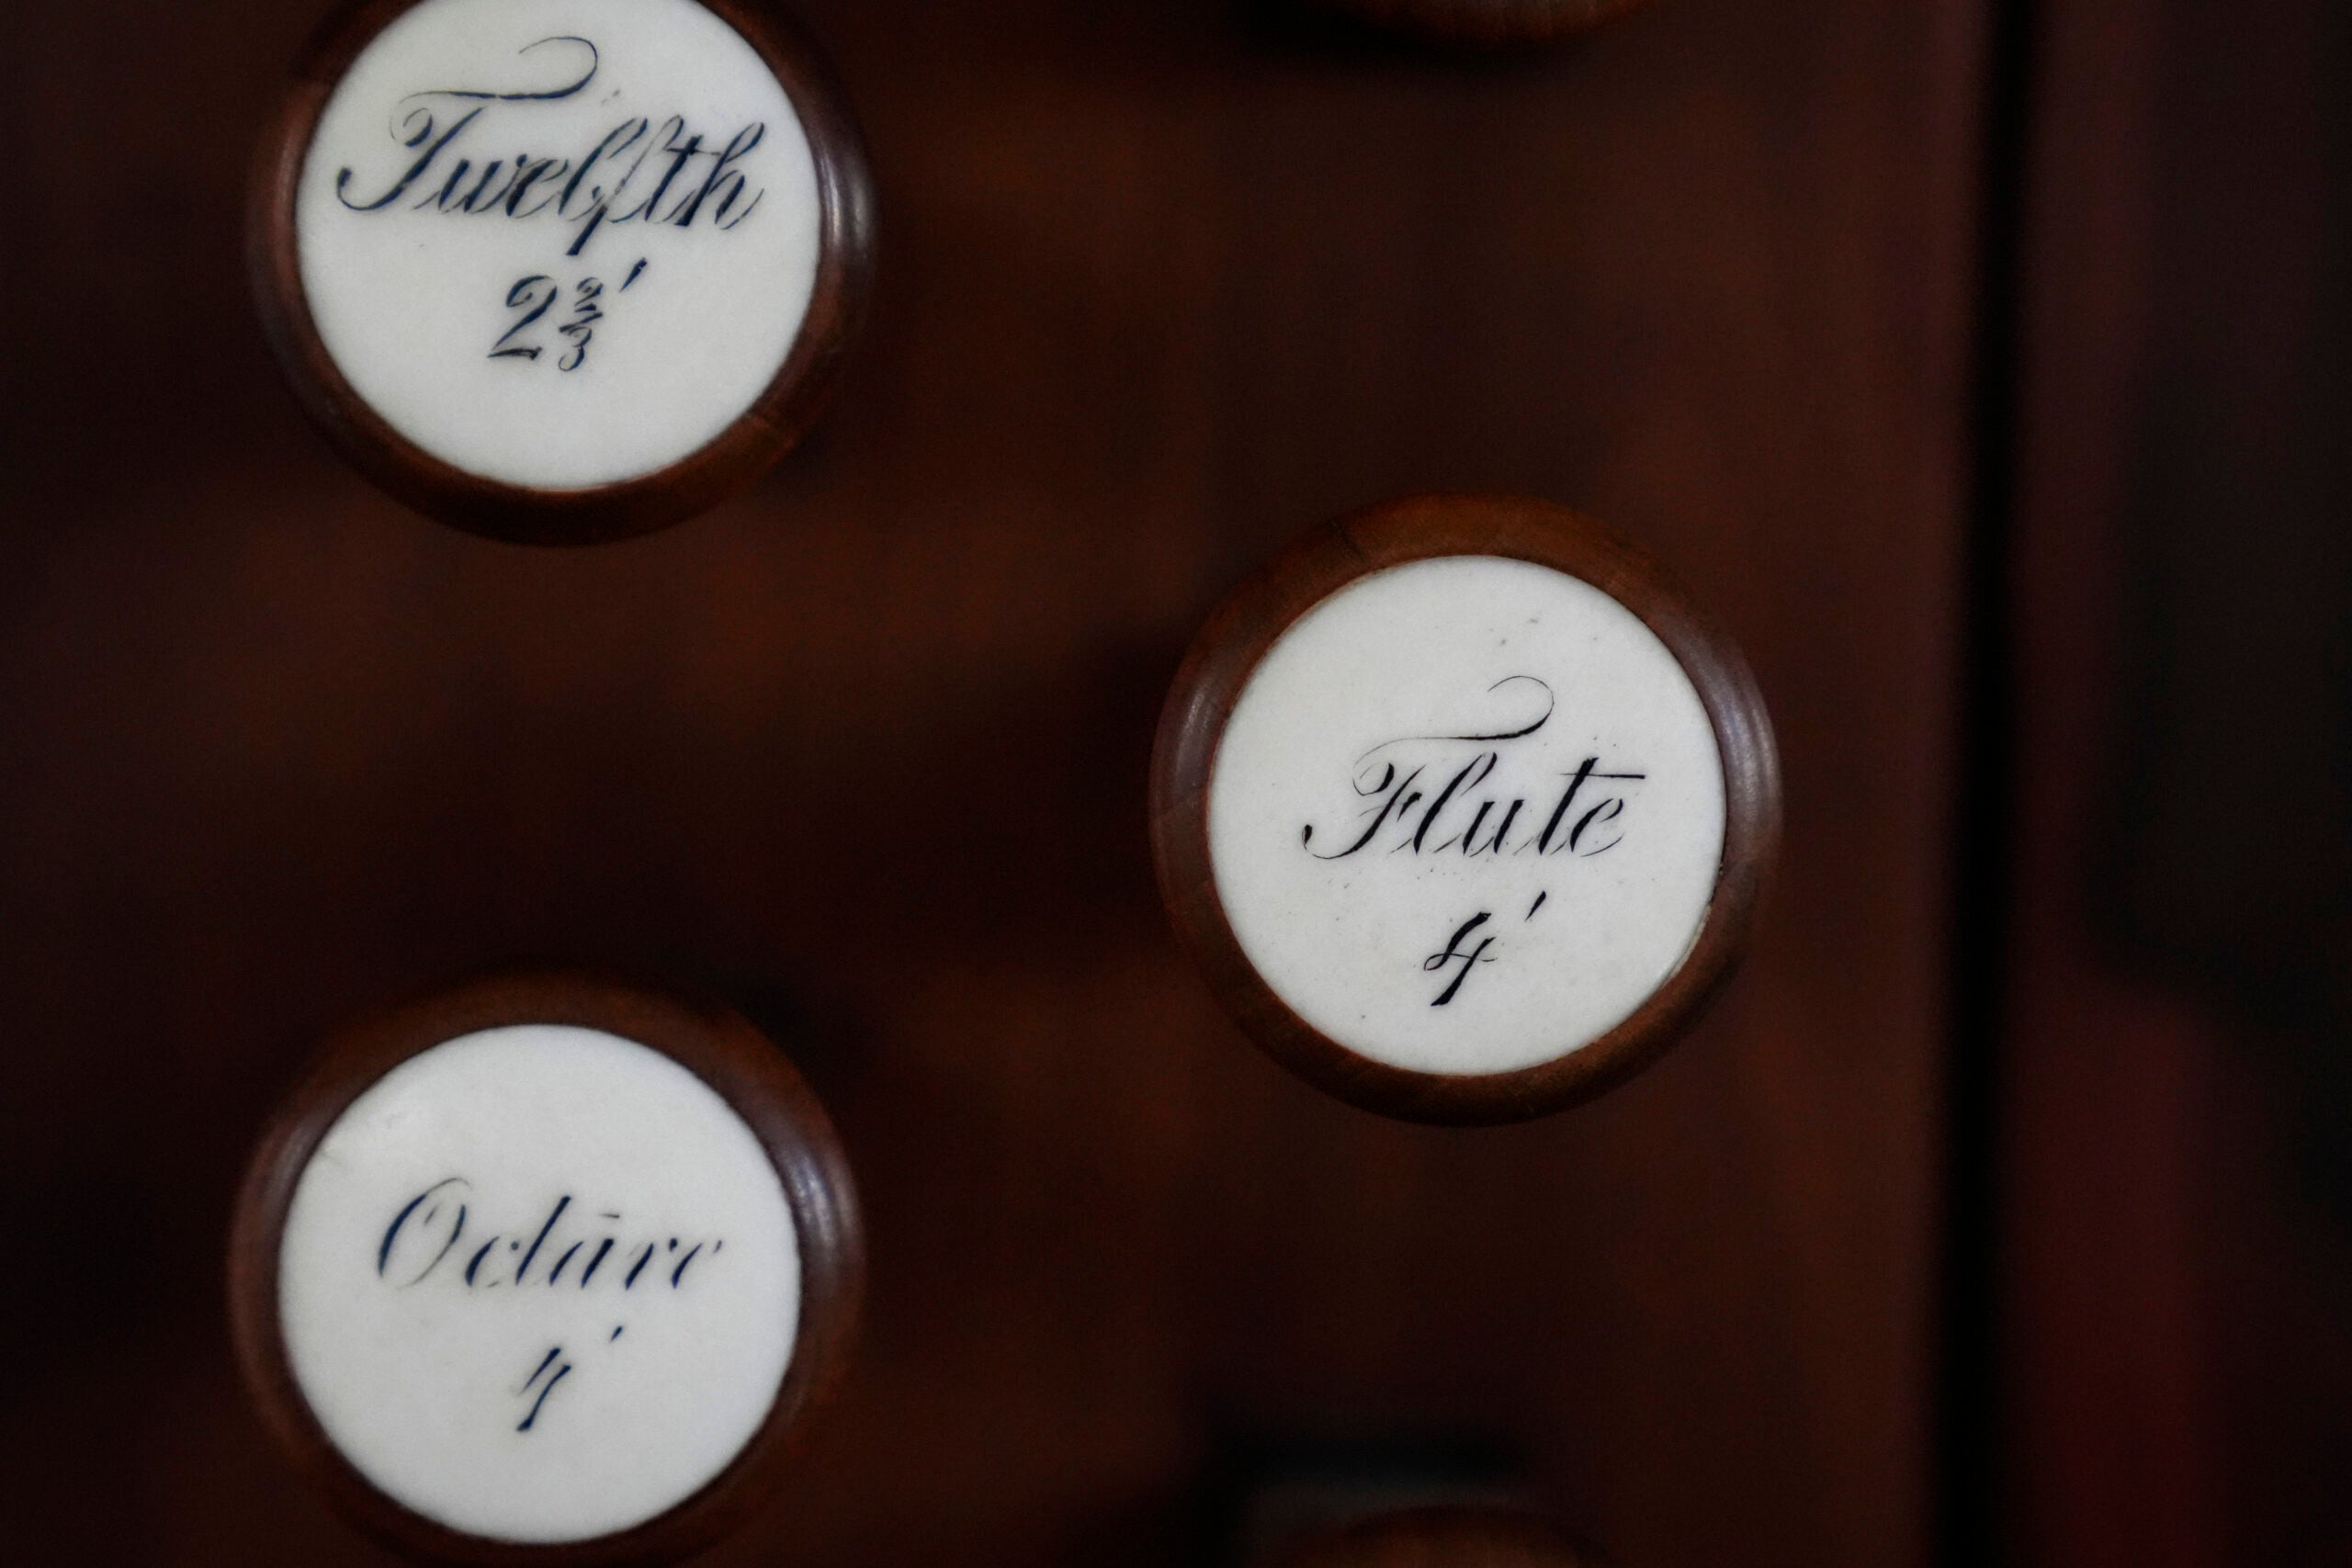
x=1971, y=1494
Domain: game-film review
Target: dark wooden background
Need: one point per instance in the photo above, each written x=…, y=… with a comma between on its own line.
x=1164, y=282
x=2168, y=1158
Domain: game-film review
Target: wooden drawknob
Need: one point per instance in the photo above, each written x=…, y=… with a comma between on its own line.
x=546, y=1269
x=561, y=273
x=1442, y=1538
x=1464, y=808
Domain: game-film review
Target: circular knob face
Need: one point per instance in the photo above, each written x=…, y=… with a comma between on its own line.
x=545, y=1268
x=1486, y=767
x=561, y=270
x=1463, y=808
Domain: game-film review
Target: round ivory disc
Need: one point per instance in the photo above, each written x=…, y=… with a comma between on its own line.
x=559, y=243
x=1466, y=815
x=539, y=1284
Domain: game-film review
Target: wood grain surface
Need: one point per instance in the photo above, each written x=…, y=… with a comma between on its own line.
x=1161, y=280
x=2175, y=1303
x=1485, y=22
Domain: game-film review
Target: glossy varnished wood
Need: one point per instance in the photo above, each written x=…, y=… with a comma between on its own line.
x=1162, y=285
x=770, y=427
x=741, y=1065
x=1488, y=21
x=1322, y=562
x=2167, y=1210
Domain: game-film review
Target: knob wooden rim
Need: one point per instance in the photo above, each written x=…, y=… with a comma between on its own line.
x=746, y=1069
x=1239, y=634
x=774, y=423
x=1442, y=1537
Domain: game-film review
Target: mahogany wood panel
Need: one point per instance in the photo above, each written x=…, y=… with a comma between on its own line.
x=1488, y=21
x=1162, y=282
x=2175, y=1237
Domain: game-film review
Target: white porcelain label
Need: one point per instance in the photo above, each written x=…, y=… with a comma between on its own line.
x=559, y=243
x=1468, y=814
x=539, y=1283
